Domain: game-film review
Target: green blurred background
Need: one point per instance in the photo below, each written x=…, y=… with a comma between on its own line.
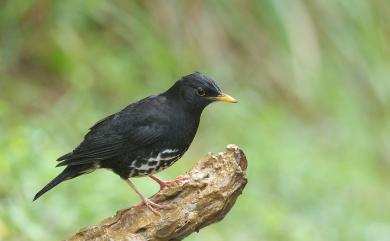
x=312, y=77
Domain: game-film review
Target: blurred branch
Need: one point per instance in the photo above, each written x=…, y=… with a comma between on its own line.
x=214, y=184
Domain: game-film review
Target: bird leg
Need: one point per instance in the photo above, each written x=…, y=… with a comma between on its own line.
x=149, y=204
x=164, y=184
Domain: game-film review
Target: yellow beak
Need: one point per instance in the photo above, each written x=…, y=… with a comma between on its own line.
x=225, y=98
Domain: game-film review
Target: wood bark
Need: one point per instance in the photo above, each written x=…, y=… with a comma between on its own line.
x=206, y=197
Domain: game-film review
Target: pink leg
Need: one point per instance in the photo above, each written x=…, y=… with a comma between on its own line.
x=164, y=184
x=149, y=204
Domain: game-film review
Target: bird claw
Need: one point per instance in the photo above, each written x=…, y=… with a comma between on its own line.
x=152, y=205
x=174, y=182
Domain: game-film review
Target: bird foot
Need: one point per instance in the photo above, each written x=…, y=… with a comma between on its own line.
x=174, y=182
x=164, y=184
x=152, y=205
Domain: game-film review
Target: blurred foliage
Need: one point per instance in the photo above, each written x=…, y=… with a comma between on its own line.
x=313, y=82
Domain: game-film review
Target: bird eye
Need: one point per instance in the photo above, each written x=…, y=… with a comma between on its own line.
x=200, y=91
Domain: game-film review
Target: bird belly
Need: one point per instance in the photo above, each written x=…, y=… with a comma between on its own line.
x=144, y=166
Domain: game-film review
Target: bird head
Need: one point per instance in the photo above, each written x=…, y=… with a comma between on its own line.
x=197, y=91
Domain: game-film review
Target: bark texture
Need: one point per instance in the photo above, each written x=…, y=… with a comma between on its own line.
x=206, y=197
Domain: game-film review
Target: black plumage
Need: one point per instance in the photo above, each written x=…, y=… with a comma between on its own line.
x=145, y=137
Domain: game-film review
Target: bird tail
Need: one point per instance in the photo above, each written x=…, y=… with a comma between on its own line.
x=68, y=173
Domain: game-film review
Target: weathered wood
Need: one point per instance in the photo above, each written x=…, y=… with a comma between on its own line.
x=214, y=184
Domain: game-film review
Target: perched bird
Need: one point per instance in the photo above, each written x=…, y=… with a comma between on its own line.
x=145, y=137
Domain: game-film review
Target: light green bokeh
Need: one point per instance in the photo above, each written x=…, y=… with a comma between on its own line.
x=312, y=77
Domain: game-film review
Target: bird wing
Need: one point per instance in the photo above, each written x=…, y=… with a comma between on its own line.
x=115, y=134
x=101, y=142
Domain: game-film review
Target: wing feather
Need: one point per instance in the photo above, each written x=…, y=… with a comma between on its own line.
x=112, y=136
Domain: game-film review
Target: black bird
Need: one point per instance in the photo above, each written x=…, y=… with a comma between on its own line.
x=145, y=137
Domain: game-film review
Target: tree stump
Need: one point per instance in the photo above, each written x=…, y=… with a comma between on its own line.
x=206, y=197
